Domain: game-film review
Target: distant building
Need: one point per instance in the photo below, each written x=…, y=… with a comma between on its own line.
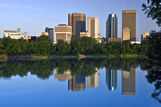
x=135, y=42
x=104, y=40
x=111, y=79
x=112, y=26
x=77, y=83
x=45, y=33
x=144, y=36
x=32, y=38
x=93, y=80
x=129, y=21
x=98, y=40
x=84, y=34
x=113, y=39
x=13, y=34
x=93, y=27
x=126, y=34
x=129, y=82
x=50, y=33
x=63, y=32
x=78, y=23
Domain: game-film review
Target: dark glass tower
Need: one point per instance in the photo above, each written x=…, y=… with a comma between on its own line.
x=51, y=33
x=111, y=79
x=112, y=26
x=78, y=23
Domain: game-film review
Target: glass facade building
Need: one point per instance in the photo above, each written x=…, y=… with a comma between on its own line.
x=78, y=23
x=51, y=33
x=112, y=26
x=111, y=79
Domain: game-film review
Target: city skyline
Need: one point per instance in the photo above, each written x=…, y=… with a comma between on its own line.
x=19, y=15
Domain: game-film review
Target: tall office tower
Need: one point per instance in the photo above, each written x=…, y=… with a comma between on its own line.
x=50, y=33
x=78, y=23
x=93, y=27
x=77, y=83
x=129, y=21
x=111, y=79
x=63, y=32
x=93, y=80
x=112, y=26
x=129, y=82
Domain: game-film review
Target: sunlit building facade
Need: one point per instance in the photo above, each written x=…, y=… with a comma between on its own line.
x=93, y=27
x=78, y=23
x=129, y=21
x=63, y=32
x=129, y=82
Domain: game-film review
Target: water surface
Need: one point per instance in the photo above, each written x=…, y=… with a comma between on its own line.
x=113, y=82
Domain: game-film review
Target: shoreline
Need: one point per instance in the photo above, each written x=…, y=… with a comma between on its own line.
x=30, y=57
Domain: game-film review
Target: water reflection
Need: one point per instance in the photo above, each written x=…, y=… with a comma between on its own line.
x=111, y=79
x=129, y=82
x=85, y=72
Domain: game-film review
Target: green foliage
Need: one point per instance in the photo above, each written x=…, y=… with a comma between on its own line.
x=63, y=47
x=83, y=45
x=154, y=51
x=152, y=9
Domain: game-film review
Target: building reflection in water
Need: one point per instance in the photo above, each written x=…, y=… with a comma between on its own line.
x=77, y=83
x=129, y=82
x=62, y=77
x=93, y=80
x=111, y=79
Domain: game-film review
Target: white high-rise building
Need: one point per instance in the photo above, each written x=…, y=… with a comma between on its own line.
x=93, y=27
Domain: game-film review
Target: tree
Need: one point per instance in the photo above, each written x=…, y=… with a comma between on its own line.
x=83, y=45
x=153, y=10
x=63, y=47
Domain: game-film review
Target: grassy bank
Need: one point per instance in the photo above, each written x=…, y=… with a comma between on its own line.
x=33, y=57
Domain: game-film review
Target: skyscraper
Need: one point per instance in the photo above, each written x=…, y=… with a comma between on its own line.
x=93, y=27
x=78, y=23
x=93, y=80
x=129, y=82
x=112, y=26
x=50, y=33
x=77, y=83
x=129, y=21
x=111, y=79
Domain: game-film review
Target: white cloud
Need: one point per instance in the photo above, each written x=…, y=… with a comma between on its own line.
x=18, y=6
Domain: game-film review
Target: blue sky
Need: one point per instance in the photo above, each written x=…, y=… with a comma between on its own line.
x=33, y=16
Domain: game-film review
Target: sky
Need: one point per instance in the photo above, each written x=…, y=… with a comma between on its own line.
x=33, y=16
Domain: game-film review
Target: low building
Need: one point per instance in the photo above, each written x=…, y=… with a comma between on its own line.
x=45, y=33
x=13, y=34
x=99, y=40
x=113, y=39
x=135, y=42
x=104, y=40
x=62, y=77
x=84, y=34
x=144, y=36
x=32, y=38
x=63, y=32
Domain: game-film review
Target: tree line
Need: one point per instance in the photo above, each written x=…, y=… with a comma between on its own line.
x=84, y=45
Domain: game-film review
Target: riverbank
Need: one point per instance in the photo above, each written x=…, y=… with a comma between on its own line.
x=30, y=57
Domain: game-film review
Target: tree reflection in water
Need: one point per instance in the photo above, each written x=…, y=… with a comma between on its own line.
x=43, y=69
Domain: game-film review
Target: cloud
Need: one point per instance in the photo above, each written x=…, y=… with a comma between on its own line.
x=18, y=7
